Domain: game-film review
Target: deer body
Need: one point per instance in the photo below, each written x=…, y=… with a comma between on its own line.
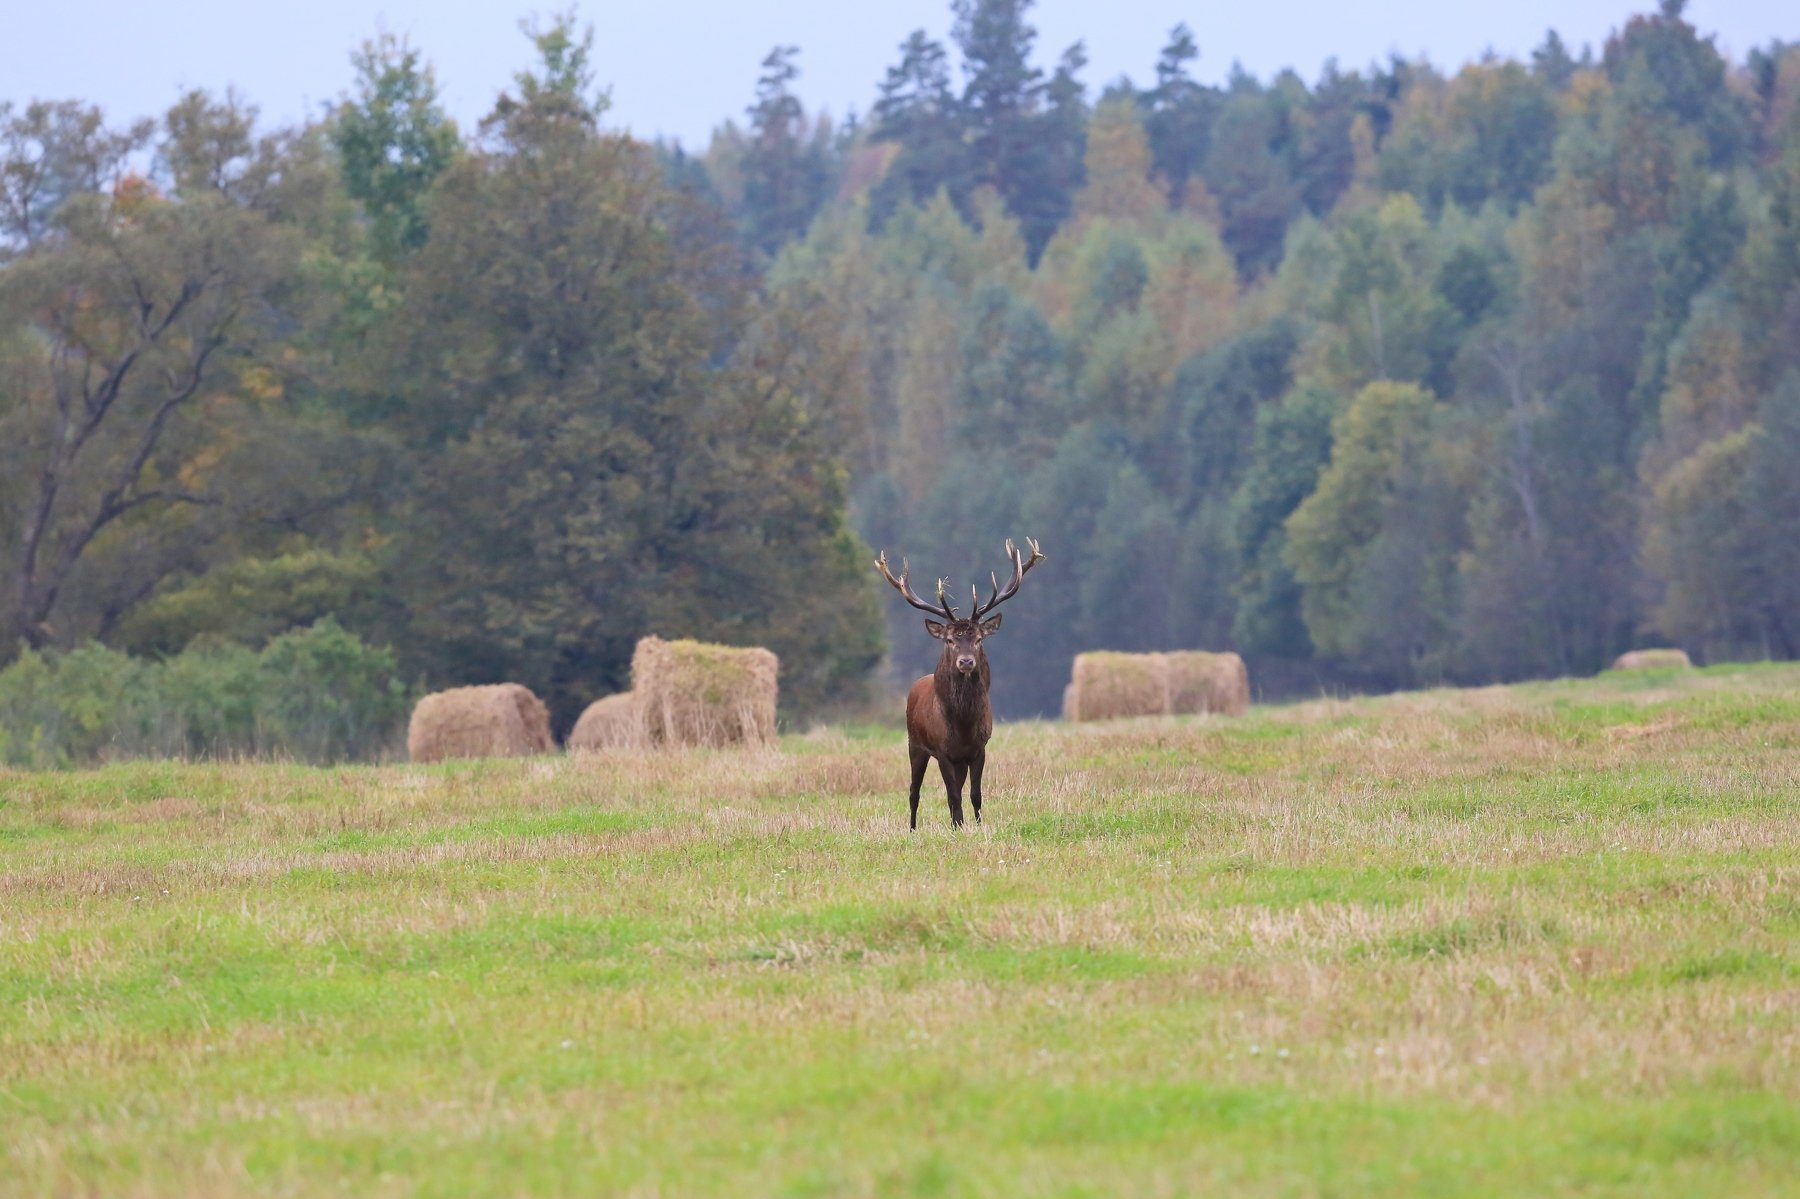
x=948, y=715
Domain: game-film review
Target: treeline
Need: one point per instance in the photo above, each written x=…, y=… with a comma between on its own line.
x=1392, y=378
x=1387, y=378
x=483, y=399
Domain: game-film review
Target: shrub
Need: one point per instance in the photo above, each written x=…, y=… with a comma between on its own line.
x=327, y=697
x=316, y=694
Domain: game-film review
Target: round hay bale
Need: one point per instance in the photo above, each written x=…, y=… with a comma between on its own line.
x=1106, y=684
x=692, y=693
x=615, y=722
x=1651, y=659
x=504, y=720
x=1205, y=682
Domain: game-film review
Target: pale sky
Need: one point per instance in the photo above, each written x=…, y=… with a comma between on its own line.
x=679, y=67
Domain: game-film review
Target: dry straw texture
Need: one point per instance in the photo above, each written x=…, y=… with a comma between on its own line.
x=504, y=720
x=1202, y=682
x=1649, y=659
x=1106, y=685
x=1512, y=937
x=616, y=722
x=692, y=693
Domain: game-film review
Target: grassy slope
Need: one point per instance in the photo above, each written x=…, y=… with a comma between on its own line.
x=1494, y=942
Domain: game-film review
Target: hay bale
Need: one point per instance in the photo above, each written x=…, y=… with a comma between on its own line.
x=616, y=722
x=504, y=720
x=692, y=693
x=1106, y=684
x=1651, y=659
x=1203, y=682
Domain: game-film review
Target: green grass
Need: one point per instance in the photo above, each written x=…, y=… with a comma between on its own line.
x=1512, y=941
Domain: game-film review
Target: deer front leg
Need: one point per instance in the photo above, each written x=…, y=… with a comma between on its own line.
x=953, y=788
x=976, y=762
x=920, y=759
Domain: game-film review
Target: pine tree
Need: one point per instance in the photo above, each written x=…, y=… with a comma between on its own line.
x=1179, y=116
x=786, y=170
x=919, y=110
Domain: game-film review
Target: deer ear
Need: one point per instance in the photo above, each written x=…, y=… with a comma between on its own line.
x=990, y=627
x=935, y=629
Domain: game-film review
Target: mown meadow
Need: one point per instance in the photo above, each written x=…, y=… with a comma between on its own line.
x=1526, y=940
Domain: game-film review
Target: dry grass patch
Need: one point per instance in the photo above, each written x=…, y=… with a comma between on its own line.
x=1351, y=945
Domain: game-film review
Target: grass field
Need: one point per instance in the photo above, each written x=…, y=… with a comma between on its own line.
x=1515, y=941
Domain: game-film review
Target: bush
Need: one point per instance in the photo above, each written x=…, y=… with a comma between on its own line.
x=327, y=697
x=317, y=695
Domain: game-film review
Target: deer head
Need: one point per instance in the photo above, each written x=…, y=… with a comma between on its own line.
x=962, y=638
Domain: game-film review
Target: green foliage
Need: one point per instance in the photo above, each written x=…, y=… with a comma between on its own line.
x=1335, y=539
x=155, y=416
x=1180, y=114
x=1485, y=135
x=1249, y=169
x=393, y=140
x=1720, y=534
x=316, y=694
x=1291, y=446
x=252, y=600
x=1009, y=129
x=1686, y=77
x=786, y=169
x=56, y=151
x=1123, y=606
x=1215, y=401
x=585, y=471
x=920, y=112
x=562, y=88
x=507, y=408
x=1385, y=317
x=1015, y=388
x=326, y=697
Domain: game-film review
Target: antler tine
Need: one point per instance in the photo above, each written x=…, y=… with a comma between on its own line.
x=1020, y=566
x=906, y=592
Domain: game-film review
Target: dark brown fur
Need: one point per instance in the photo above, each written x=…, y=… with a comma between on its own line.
x=948, y=717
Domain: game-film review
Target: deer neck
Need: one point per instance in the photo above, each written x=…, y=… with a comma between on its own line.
x=960, y=693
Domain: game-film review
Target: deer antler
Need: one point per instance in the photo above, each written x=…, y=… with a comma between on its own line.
x=1020, y=566
x=942, y=608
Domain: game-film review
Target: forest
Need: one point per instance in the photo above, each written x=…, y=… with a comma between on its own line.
x=1394, y=377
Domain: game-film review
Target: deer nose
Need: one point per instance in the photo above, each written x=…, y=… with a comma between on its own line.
x=965, y=662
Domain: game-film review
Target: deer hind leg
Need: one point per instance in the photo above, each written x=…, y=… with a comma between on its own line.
x=975, y=765
x=920, y=760
x=953, y=780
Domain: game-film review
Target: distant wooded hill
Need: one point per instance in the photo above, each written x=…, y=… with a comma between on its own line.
x=1390, y=377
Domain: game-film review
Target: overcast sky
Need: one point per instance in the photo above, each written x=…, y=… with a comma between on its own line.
x=679, y=67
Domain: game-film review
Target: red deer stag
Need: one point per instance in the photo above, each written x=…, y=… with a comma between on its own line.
x=948, y=716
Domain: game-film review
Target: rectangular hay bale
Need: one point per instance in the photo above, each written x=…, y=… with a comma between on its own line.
x=693, y=693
